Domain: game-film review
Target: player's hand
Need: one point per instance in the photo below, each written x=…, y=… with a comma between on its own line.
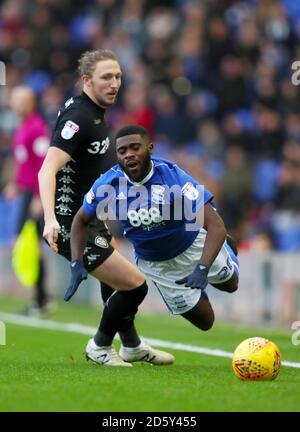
x=198, y=279
x=50, y=234
x=78, y=274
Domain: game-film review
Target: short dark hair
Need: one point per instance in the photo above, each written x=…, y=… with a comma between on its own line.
x=132, y=130
x=89, y=59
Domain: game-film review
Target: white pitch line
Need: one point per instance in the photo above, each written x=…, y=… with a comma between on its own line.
x=86, y=330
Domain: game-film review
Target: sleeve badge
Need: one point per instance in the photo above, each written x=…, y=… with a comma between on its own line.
x=69, y=130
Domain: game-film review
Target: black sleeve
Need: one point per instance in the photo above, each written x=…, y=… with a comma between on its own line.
x=71, y=129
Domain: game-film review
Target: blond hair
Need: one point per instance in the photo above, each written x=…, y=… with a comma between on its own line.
x=89, y=59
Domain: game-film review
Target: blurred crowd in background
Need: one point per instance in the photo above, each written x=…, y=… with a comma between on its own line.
x=209, y=79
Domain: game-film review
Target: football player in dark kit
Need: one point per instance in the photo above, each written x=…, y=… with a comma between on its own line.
x=76, y=157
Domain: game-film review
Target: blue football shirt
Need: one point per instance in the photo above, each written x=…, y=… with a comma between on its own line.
x=158, y=214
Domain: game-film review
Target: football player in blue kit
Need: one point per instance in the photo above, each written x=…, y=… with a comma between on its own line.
x=179, y=238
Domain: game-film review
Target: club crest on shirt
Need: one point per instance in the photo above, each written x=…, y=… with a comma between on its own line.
x=157, y=194
x=190, y=191
x=69, y=130
x=90, y=196
x=101, y=242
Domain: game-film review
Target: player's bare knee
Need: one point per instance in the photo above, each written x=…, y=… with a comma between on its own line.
x=206, y=321
x=207, y=325
x=235, y=287
x=233, y=284
x=231, y=288
x=136, y=281
x=133, y=280
x=139, y=292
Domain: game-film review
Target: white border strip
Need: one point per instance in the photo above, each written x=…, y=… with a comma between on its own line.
x=86, y=330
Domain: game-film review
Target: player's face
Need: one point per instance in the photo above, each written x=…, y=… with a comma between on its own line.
x=104, y=85
x=134, y=156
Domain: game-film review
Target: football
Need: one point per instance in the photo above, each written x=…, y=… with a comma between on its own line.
x=256, y=359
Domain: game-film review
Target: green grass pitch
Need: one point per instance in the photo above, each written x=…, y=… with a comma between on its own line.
x=45, y=370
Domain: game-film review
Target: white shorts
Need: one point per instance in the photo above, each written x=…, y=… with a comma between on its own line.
x=178, y=298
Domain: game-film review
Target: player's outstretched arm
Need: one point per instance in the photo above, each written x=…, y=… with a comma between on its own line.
x=215, y=238
x=79, y=233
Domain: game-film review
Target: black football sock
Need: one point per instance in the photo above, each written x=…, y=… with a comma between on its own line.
x=121, y=306
x=40, y=288
x=127, y=331
x=128, y=334
x=106, y=291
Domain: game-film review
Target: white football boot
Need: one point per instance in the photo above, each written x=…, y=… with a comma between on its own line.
x=105, y=355
x=145, y=353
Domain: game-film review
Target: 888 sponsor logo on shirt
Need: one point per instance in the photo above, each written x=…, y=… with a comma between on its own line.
x=144, y=216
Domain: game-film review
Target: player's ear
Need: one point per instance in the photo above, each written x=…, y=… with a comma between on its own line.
x=150, y=147
x=85, y=79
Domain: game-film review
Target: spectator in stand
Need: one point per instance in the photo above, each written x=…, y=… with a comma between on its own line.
x=30, y=144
